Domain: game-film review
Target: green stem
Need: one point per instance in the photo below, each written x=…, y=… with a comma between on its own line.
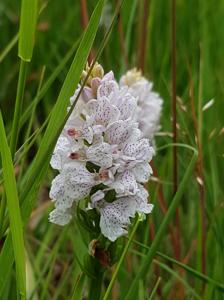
x=95, y=286
x=158, y=238
x=18, y=106
x=107, y=294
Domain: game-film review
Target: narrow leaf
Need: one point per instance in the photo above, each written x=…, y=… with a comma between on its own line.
x=14, y=211
x=27, y=29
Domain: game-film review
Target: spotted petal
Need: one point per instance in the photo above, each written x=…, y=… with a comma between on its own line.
x=106, y=88
x=141, y=200
x=100, y=154
x=142, y=172
x=62, y=198
x=102, y=111
x=125, y=184
x=63, y=148
x=72, y=184
x=126, y=103
x=115, y=218
x=119, y=132
x=140, y=150
x=60, y=153
x=60, y=217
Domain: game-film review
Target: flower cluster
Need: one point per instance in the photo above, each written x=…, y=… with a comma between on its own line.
x=102, y=155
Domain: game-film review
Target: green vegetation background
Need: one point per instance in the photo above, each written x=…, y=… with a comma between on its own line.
x=53, y=253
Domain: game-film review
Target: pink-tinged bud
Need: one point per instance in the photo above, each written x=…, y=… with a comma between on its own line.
x=87, y=94
x=95, y=84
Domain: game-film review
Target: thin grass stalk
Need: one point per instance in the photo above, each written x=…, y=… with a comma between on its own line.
x=174, y=124
x=163, y=207
x=151, y=297
x=200, y=174
x=202, y=224
x=162, y=229
x=9, y=47
x=122, y=42
x=78, y=289
x=143, y=35
x=128, y=38
x=29, y=127
x=84, y=23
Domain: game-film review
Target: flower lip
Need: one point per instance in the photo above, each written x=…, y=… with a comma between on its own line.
x=77, y=155
x=73, y=132
x=104, y=174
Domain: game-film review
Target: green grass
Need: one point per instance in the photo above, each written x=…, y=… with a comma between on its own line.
x=34, y=94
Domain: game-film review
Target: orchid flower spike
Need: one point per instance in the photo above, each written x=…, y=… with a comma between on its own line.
x=102, y=145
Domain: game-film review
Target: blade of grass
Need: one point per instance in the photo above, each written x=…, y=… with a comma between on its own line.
x=23, y=149
x=9, y=47
x=15, y=39
x=129, y=27
x=155, y=289
x=156, y=242
x=26, y=42
x=16, y=225
x=27, y=28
